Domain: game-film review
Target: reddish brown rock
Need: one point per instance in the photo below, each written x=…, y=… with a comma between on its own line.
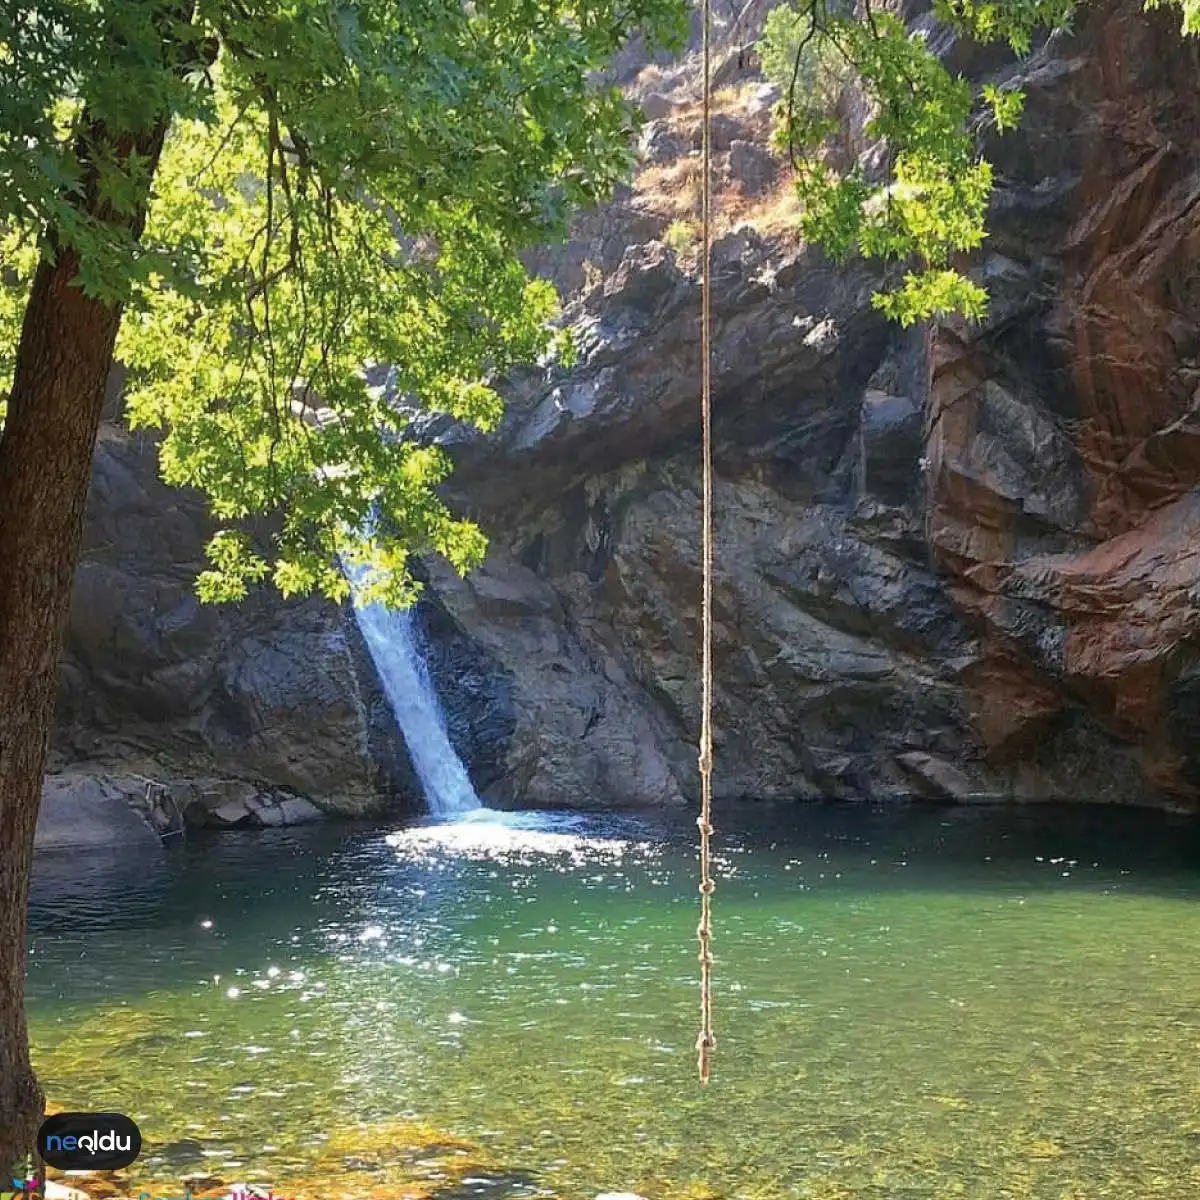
x=1064, y=437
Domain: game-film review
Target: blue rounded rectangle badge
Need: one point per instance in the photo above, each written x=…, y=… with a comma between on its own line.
x=89, y=1141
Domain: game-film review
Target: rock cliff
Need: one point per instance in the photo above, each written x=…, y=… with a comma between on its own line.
x=958, y=563
x=220, y=715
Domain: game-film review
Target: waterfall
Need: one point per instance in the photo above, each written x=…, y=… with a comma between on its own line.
x=392, y=638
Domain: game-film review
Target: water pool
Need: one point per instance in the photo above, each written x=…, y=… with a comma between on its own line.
x=936, y=1003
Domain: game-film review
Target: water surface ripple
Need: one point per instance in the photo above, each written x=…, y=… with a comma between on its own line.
x=927, y=1003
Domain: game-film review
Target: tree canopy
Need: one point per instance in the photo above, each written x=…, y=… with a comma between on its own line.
x=343, y=183
x=348, y=182
x=930, y=204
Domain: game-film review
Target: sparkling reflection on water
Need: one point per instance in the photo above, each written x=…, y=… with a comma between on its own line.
x=978, y=1003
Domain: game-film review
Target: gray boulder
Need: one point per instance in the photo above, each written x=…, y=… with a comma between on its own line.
x=752, y=166
x=89, y=812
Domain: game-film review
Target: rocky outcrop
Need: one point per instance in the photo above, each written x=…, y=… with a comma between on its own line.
x=958, y=564
x=84, y=812
x=238, y=713
x=1063, y=459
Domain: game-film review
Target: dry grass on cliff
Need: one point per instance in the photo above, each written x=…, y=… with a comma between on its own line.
x=776, y=214
x=733, y=100
x=673, y=191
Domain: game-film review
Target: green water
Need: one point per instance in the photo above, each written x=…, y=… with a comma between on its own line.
x=977, y=1003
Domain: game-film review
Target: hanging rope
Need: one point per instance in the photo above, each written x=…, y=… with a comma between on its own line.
x=706, y=1042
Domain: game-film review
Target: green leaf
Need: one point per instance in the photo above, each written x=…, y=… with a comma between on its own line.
x=344, y=184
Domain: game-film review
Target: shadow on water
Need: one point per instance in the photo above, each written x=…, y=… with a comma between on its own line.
x=1147, y=843
x=227, y=873
x=82, y=888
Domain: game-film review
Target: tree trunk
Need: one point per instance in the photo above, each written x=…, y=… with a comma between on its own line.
x=46, y=447
x=45, y=464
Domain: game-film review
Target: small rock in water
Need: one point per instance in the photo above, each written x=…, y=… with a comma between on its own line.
x=202, y=1183
x=183, y=1151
